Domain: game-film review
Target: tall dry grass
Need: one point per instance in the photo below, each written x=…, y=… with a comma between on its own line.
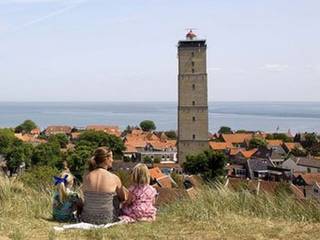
x=215, y=201
x=22, y=209
x=216, y=213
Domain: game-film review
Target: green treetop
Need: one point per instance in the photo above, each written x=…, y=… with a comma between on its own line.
x=147, y=125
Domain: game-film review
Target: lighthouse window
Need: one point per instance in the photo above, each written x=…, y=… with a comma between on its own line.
x=192, y=63
x=192, y=54
x=193, y=136
x=192, y=70
x=193, y=118
x=193, y=103
x=193, y=86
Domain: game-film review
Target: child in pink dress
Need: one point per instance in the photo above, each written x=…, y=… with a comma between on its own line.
x=141, y=198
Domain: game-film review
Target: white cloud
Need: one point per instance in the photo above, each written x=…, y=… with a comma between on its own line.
x=275, y=67
x=66, y=7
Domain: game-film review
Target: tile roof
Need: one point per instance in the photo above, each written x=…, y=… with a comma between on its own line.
x=196, y=181
x=258, y=164
x=308, y=161
x=220, y=145
x=35, y=131
x=112, y=130
x=164, y=182
x=274, y=142
x=156, y=173
x=236, y=137
x=167, y=165
x=291, y=145
x=29, y=138
x=248, y=153
x=310, y=178
x=265, y=186
x=140, y=139
x=58, y=129
x=243, y=152
x=130, y=148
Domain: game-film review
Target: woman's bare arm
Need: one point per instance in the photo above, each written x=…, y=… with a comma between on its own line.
x=121, y=190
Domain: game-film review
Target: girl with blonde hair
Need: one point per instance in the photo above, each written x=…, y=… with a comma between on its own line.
x=65, y=201
x=141, y=197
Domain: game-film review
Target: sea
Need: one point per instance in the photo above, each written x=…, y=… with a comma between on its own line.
x=264, y=116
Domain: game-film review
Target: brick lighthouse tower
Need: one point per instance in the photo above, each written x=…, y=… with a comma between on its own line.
x=193, y=96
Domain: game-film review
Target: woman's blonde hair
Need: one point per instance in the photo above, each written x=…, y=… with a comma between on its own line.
x=62, y=187
x=140, y=174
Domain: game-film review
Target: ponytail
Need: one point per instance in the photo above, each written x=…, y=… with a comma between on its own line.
x=92, y=164
x=62, y=192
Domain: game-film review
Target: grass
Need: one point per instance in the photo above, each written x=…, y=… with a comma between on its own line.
x=217, y=213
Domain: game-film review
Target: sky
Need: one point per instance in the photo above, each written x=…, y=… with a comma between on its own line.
x=125, y=50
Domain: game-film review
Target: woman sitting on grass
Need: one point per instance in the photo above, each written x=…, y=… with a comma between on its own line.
x=141, y=197
x=102, y=190
x=65, y=201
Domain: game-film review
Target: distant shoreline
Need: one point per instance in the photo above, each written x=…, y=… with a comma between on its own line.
x=263, y=116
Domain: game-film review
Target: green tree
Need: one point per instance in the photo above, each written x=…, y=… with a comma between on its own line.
x=99, y=139
x=211, y=165
x=47, y=154
x=171, y=134
x=310, y=140
x=224, y=130
x=257, y=142
x=315, y=149
x=147, y=125
x=279, y=136
x=19, y=154
x=298, y=152
x=61, y=138
x=77, y=160
x=128, y=130
x=241, y=131
x=7, y=139
x=26, y=127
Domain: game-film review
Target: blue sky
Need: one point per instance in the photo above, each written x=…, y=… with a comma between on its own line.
x=125, y=50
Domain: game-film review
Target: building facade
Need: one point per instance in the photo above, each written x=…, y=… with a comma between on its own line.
x=192, y=97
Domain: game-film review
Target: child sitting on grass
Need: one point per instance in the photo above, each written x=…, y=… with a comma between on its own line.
x=141, y=197
x=65, y=201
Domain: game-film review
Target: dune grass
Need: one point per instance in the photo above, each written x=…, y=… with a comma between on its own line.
x=216, y=213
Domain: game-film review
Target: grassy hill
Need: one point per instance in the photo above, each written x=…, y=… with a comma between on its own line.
x=215, y=214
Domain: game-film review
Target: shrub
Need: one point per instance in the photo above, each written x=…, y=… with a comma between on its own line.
x=211, y=165
x=39, y=177
x=147, y=160
x=257, y=142
x=157, y=160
